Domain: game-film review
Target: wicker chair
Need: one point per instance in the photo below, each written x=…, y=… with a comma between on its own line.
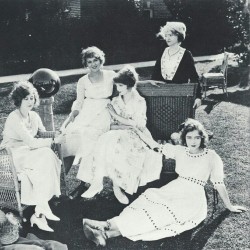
x=216, y=79
x=168, y=106
x=9, y=184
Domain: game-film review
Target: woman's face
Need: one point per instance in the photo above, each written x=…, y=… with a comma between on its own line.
x=193, y=140
x=122, y=88
x=171, y=38
x=28, y=102
x=94, y=64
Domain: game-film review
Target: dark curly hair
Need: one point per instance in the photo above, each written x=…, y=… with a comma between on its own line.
x=21, y=90
x=127, y=76
x=192, y=125
x=91, y=52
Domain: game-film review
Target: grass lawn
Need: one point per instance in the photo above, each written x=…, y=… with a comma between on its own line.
x=229, y=119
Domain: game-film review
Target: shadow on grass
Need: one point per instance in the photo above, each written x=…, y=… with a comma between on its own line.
x=210, y=105
x=201, y=237
x=105, y=206
x=241, y=97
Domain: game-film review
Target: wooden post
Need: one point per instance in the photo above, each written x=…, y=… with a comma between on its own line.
x=46, y=113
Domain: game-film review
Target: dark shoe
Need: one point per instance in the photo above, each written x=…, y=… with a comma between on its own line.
x=97, y=236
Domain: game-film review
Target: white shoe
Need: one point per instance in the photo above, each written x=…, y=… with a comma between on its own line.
x=51, y=216
x=41, y=223
x=92, y=191
x=47, y=213
x=120, y=196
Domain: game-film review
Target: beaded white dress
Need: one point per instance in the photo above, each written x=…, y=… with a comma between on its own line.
x=93, y=118
x=178, y=206
x=121, y=154
x=36, y=164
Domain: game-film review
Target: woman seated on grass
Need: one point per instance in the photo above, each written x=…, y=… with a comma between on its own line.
x=120, y=153
x=36, y=164
x=176, y=207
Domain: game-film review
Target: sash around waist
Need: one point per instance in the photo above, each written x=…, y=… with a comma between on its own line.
x=96, y=99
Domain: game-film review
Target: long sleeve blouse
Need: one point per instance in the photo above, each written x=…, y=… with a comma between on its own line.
x=186, y=71
x=135, y=109
x=16, y=133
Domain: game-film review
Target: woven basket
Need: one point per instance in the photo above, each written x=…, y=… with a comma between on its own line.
x=9, y=233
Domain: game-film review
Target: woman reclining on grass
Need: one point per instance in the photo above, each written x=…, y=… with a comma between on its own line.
x=176, y=207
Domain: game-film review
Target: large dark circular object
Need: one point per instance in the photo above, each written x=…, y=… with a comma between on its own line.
x=46, y=81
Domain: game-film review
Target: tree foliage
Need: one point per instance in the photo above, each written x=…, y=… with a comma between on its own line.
x=39, y=33
x=213, y=25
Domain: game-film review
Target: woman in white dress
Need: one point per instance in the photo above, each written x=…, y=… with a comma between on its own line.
x=37, y=166
x=120, y=153
x=176, y=207
x=89, y=117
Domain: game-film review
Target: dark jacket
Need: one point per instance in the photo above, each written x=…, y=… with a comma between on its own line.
x=185, y=72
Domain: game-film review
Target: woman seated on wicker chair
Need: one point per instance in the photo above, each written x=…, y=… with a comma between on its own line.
x=120, y=153
x=36, y=164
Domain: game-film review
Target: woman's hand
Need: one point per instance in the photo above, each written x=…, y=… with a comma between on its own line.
x=237, y=209
x=111, y=110
x=156, y=83
x=71, y=117
x=59, y=138
x=197, y=103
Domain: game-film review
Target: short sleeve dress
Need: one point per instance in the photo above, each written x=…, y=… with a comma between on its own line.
x=178, y=206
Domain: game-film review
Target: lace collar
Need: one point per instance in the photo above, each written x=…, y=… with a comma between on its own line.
x=170, y=64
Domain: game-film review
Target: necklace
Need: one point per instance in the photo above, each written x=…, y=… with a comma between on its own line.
x=174, y=52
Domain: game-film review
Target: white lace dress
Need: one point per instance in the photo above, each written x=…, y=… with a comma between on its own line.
x=37, y=166
x=92, y=121
x=122, y=155
x=178, y=206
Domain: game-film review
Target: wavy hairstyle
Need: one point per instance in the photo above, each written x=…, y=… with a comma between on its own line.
x=191, y=125
x=127, y=76
x=21, y=90
x=91, y=52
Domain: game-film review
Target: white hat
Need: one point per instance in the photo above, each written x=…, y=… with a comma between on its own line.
x=173, y=26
